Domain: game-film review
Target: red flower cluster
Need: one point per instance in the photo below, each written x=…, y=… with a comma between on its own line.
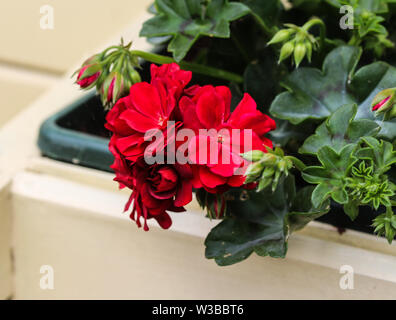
x=166, y=105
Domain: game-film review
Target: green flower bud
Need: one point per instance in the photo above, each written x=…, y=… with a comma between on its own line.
x=269, y=159
x=253, y=156
x=112, y=89
x=286, y=51
x=299, y=53
x=254, y=171
x=281, y=36
x=96, y=58
x=135, y=76
x=264, y=183
x=268, y=172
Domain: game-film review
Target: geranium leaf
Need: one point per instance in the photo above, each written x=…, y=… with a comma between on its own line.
x=256, y=82
x=314, y=94
x=260, y=223
x=381, y=152
x=256, y=225
x=352, y=209
x=303, y=210
x=339, y=130
x=187, y=20
x=330, y=176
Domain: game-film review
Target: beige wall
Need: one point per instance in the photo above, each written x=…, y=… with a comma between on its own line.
x=5, y=240
x=32, y=59
x=79, y=26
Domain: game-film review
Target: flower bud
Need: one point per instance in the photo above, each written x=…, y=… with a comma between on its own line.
x=254, y=171
x=286, y=51
x=384, y=101
x=264, y=183
x=112, y=88
x=135, y=76
x=96, y=58
x=88, y=75
x=281, y=36
x=308, y=46
x=253, y=156
x=299, y=53
x=269, y=159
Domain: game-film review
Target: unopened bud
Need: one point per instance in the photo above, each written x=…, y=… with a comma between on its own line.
x=112, y=89
x=286, y=51
x=299, y=53
x=88, y=75
x=281, y=36
x=253, y=156
x=384, y=102
x=254, y=171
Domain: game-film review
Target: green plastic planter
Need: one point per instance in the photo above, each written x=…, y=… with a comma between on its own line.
x=60, y=142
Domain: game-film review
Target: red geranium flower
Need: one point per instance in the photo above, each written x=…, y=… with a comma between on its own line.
x=208, y=107
x=159, y=188
x=156, y=189
x=148, y=108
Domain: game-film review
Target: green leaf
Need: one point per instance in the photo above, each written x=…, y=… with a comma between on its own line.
x=256, y=82
x=260, y=223
x=381, y=152
x=352, y=209
x=330, y=176
x=304, y=211
x=187, y=20
x=314, y=95
x=254, y=225
x=339, y=130
x=285, y=132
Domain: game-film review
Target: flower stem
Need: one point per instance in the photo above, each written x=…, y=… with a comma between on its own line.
x=297, y=163
x=355, y=40
x=322, y=26
x=266, y=29
x=194, y=67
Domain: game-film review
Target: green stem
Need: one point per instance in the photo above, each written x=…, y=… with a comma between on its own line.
x=297, y=163
x=267, y=30
x=389, y=212
x=322, y=26
x=197, y=68
x=355, y=40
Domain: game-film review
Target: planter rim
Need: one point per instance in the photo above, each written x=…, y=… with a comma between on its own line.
x=72, y=146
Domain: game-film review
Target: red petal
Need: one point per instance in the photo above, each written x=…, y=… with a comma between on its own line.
x=184, y=194
x=138, y=121
x=164, y=220
x=246, y=106
x=225, y=92
x=146, y=100
x=210, y=109
x=210, y=179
